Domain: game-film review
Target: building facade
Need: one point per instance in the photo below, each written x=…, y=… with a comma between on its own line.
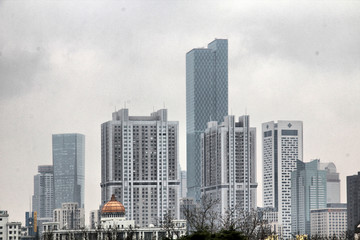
x=332, y=182
x=4, y=219
x=308, y=191
x=282, y=147
x=69, y=216
x=330, y=221
x=94, y=219
x=9, y=230
x=139, y=164
x=228, y=153
x=43, y=201
x=353, y=201
x=69, y=168
x=206, y=100
x=183, y=186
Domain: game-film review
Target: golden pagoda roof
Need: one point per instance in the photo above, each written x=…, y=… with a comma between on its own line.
x=113, y=206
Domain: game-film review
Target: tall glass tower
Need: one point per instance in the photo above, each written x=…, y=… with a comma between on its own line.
x=206, y=100
x=69, y=168
x=308, y=191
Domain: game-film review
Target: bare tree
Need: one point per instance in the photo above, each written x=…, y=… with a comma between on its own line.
x=169, y=226
x=203, y=217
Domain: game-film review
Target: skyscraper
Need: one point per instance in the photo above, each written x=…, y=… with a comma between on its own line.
x=229, y=164
x=43, y=198
x=308, y=191
x=353, y=201
x=69, y=168
x=282, y=147
x=139, y=164
x=206, y=100
x=332, y=182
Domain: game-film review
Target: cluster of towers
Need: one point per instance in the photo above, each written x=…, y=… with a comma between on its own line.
x=140, y=159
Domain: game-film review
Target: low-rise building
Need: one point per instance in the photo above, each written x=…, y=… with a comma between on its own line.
x=9, y=230
x=69, y=216
x=329, y=221
x=114, y=225
x=13, y=230
x=94, y=219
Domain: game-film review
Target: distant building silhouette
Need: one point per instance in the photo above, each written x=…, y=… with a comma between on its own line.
x=183, y=186
x=206, y=100
x=353, y=201
x=43, y=199
x=332, y=182
x=69, y=168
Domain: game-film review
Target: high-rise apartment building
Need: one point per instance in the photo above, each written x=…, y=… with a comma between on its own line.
x=69, y=168
x=43, y=201
x=139, y=164
x=332, y=182
x=353, y=201
x=282, y=147
x=229, y=164
x=329, y=222
x=206, y=100
x=308, y=191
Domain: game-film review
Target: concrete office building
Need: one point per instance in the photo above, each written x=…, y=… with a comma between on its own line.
x=332, y=182
x=229, y=164
x=353, y=201
x=330, y=221
x=69, y=216
x=43, y=201
x=206, y=100
x=139, y=164
x=8, y=230
x=69, y=168
x=94, y=219
x=282, y=147
x=308, y=191
x=4, y=219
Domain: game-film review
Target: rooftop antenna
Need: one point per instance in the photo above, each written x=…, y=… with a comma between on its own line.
x=124, y=104
x=153, y=108
x=164, y=104
x=245, y=111
x=115, y=108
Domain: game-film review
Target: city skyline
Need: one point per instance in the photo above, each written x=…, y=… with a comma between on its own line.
x=64, y=68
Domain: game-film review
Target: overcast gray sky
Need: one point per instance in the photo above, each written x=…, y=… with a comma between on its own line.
x=66, y=65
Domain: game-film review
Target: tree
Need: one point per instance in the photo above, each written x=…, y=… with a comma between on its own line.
x=250, y=223
x=204, y=217
x=168, y=225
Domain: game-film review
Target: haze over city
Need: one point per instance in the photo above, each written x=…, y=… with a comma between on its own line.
x=66, y=66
